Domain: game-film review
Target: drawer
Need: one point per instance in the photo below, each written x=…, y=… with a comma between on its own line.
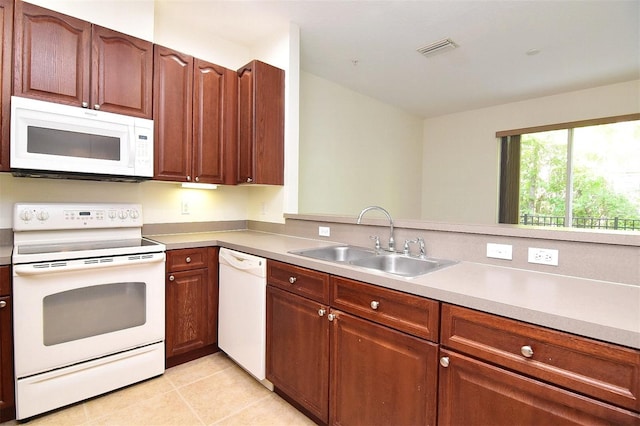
x=405, y=312
x=304, y=282
x=604, y=371
x=186, y=259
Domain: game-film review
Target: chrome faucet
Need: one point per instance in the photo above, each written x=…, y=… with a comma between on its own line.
x=421, y=246
x=392, y=244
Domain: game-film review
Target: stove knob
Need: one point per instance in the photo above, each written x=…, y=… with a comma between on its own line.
x=42, y=215
x=134, y=214
x=26, y=215
x=112, y=214
x=122, y=214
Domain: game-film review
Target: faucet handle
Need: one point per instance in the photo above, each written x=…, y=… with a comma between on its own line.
x=377, y=240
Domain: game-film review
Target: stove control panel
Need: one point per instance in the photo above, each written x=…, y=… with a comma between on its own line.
x=51, y=216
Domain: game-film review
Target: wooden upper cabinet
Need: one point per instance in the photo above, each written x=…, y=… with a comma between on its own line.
x=260, y=124
x=66, y=60
x=122, y=73
x=6, y=20
x=51, y=55
x=195, y=110
x=172, y=103
x=214, y=123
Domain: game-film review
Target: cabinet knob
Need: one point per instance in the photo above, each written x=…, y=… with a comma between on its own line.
x=444, y=361
x=526, y=351
x=321, y=312
x=331, y=317
x=3, y=303
x=188, y=178
x=96, y=107
x=292, y=280
x=85, y=105
x=249, y=180
x=171, y=278
x=188, y=260
x=375, y=304
x=197, y=179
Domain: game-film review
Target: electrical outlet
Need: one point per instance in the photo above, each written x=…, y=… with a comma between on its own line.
x=499, y=251
x=324, y=231
x=543, y=256
x=185, y=207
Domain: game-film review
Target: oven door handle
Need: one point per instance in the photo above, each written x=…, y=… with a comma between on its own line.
x=87, y=264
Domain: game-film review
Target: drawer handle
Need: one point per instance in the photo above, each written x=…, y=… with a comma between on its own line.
x=188, y=259
x=374, y=305
x=171, y=278
x=444, y=361
x=526, y=351
x=321, y=312
x=292, y=280
x=3, y=303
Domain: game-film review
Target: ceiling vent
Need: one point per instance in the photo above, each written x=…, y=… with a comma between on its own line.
x=437, y=47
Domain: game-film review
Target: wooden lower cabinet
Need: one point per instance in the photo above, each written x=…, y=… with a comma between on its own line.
x=472, y=392
x=298, y=350
x=340, y=368
x=7, y=400
x=191, y=304
x=380, y=376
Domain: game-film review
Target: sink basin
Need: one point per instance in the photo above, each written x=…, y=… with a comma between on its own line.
x=343, y=253
x=402, y=265
x=391, y=263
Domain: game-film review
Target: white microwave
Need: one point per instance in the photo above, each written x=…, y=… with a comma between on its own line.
x=55, y=140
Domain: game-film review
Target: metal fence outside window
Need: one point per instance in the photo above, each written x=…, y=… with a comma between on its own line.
x=582, y=222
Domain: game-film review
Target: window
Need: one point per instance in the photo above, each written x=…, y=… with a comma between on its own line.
x=584, y=175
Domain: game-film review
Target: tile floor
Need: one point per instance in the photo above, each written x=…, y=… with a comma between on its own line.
x=208, y=391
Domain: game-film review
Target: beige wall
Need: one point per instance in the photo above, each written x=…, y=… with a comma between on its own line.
x=461, y=152
x=355, y=152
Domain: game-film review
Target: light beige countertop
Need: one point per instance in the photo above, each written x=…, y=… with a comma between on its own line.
x=598, y=309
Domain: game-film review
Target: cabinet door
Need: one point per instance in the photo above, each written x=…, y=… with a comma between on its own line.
x=186, y=311
x=172, y=114
x=298, y=350
x=51, y=56
x=114, y=56
x=261, y=124
x=214, y=124
x=472, y=392
x=380, y=376
x=6, y=19
x=7, y=406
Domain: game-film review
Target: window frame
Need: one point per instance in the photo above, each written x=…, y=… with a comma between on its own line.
x=509, y=178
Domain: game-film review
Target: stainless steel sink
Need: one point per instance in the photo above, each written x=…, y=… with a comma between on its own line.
x=343, y=253
x=391, y=263
x=402, y=265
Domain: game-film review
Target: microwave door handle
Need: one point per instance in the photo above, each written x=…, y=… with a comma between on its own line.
x=132, y=146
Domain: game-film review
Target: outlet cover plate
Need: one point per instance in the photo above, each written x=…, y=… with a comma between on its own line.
x=543, y=256
x=324, y=231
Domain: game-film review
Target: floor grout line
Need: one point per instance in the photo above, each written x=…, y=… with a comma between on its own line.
x=240, y=410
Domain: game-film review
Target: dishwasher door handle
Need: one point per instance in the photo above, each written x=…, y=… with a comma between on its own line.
x=237, y=261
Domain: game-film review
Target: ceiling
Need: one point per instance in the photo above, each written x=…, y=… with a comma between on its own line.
x=370, y=46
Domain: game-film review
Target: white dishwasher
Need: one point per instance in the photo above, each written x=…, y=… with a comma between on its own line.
x=242, y=311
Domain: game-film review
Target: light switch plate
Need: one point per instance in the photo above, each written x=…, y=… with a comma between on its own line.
x=500, y=251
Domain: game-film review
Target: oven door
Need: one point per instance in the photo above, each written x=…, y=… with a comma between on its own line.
x=71, y=311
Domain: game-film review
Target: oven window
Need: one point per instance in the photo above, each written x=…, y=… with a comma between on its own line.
x=72, y=144
x=91, y=311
